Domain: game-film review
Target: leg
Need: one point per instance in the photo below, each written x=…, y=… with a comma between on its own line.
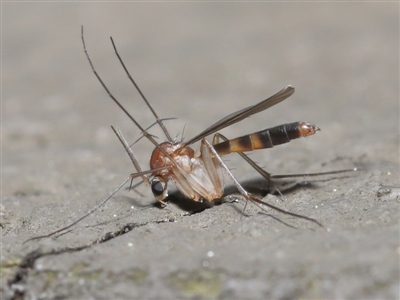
x=131, y=156
x=262, y=172
x=247, y=195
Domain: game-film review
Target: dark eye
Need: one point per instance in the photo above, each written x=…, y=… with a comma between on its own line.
x=157, y=188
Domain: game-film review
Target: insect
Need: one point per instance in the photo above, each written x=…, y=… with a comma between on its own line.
x=199, y=174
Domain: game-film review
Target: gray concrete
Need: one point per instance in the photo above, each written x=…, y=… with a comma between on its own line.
x=199, y=62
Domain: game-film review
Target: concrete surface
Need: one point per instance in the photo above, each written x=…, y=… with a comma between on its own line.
x=198, y=62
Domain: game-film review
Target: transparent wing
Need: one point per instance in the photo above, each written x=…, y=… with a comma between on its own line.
x=244, y=113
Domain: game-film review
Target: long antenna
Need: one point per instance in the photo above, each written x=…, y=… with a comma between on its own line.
x=144, y=132
x=122, y=140
x=159, y=121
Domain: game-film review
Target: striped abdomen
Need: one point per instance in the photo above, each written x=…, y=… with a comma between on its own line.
x=267, y=138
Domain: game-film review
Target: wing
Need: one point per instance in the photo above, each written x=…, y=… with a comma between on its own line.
x=244, y=113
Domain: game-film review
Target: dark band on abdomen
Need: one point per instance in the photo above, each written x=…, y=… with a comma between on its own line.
x=267, y=138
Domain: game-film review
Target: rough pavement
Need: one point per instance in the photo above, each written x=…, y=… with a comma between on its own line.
x=198, y=62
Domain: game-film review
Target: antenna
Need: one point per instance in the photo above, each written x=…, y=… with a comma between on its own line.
x=159, y=121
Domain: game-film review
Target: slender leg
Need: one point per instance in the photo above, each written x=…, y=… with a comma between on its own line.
x=268, y=176
x=247, y=195
x=82, y=217
x=262, y=172
x=131, y=155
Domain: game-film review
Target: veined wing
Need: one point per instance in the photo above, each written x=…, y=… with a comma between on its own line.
x=244, y=113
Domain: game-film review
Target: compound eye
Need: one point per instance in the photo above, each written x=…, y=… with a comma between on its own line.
x=159, y=188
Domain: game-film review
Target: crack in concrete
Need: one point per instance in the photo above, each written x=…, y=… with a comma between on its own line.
x=19, y=279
